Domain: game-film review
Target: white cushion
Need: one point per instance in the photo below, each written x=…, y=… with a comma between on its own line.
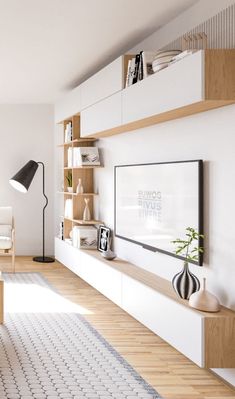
x=5, y=236
x=6, y=215
x=5, y=242
x=5, y=230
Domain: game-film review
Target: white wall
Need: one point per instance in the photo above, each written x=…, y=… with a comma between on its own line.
x=208, y=136
x=27, y=133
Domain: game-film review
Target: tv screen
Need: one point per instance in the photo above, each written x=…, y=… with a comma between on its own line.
x=155, y=203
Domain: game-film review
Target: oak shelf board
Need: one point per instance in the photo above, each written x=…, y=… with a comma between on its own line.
x=81, y=140
x=157, y=283
x=82, y=167
x=76, y=194
x=84, y=222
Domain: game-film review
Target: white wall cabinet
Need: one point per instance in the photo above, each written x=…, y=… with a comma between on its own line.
x=176, y=86
x=200, y=82
x=103, y=115
x=104, y=83
x=106, y=280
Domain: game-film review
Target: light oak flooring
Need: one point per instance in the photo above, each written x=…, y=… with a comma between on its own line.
x=167, y=370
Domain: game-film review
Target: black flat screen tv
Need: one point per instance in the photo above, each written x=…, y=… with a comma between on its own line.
x=155, y=203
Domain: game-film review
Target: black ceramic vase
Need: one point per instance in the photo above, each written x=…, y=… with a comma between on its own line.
x=185, y=283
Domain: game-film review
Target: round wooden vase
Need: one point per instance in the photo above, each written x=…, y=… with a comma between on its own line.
x=185, y=283
x=204, y=300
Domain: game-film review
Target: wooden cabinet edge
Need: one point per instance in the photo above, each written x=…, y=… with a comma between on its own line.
x=219, y=342
x=219, y=75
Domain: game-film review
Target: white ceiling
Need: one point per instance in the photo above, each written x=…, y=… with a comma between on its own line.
x=50, y=46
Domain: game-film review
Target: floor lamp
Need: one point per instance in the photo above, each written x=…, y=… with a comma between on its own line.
x=21, y=182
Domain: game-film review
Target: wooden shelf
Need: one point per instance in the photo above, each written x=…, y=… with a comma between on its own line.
x=76, y=194
x=81, y=140
x=83, y=167
x=85, y=222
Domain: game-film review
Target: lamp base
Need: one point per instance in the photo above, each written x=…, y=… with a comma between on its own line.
x=43, y=259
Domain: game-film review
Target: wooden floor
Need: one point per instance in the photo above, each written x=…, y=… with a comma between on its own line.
x=168, y=371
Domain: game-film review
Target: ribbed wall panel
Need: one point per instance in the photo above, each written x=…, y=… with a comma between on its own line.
x=220, y=31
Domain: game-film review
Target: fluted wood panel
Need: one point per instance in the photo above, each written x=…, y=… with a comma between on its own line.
x=220, y=31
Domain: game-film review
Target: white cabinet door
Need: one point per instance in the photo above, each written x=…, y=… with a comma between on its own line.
x=176, y=86
x=101, y=116
x=103, y=84
x=69, y=105
x=102, y=277
x=68, y=256
x=176, y=324
x=96, y=273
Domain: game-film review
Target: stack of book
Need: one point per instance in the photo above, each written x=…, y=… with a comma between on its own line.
x=68, y=133
x=85, y=237
x=139, y=67
x=163, y=59
x=82, y=156
x=68, y=209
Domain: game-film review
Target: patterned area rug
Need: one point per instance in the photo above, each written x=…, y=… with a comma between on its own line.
x=54, y=354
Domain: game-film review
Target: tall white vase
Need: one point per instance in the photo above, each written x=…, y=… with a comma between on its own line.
x=79, y=189
x=86, y=212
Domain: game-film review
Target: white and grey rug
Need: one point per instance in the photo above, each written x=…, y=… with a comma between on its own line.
x=54, y=353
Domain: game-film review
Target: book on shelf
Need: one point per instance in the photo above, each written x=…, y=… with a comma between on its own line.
x=61, y=230
x=70, y=157
x=137, y=63
x=68, y=209
x=84, y=237
x=130, y=72
x=140, y=70
x=68, y=132
x=139, y=67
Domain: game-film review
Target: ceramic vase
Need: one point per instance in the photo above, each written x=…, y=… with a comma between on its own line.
x=108, y=254
x=86, y=212
x=79, y=189
x=204, y=300
x=185, y=283
x=70, y=189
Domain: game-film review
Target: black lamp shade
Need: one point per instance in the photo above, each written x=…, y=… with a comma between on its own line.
x=22, y=180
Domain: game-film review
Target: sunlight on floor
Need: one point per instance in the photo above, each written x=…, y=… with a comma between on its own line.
x=33, y=298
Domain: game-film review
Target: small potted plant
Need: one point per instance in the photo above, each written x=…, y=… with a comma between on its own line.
x=69, y=179
x=186, y=283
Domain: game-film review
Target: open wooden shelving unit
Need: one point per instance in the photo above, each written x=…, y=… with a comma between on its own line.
x=85, y=173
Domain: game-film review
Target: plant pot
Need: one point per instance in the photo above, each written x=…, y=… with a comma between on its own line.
x=185, y=283
x=70, y=189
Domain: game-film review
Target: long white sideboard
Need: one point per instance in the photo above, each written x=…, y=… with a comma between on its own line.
x=208, y=339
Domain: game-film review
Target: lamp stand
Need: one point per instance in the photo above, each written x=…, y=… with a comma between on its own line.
x=43, y=258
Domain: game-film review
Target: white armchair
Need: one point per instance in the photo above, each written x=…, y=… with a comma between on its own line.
x=7, y=233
